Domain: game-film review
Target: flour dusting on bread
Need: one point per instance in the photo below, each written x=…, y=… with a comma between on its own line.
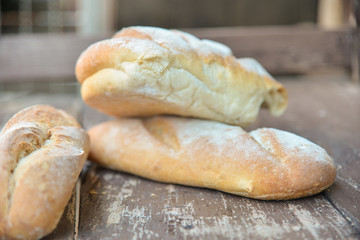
x=42, y=151
x=214, y=155
x=138, y=71
x=290, y=143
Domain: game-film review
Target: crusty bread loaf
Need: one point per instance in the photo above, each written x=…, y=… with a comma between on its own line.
x=263, y=164
x=42, y=151
x=145, y=71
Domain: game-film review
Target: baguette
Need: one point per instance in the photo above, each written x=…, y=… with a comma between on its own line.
x=42, y=151
x=146, y=71
x=264, y=164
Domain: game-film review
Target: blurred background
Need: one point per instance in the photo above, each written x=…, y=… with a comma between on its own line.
x=94, y=16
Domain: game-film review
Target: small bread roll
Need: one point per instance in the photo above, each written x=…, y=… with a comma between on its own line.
x=263, y=164
x=145, y=71
x=42, y=151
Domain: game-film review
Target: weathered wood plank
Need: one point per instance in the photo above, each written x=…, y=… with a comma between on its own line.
x=284, y=50
x=41, y=57
x=279, y=49
x=128, y=207
x=14, y=97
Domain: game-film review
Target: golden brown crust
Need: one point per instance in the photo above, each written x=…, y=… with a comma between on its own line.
x=45, y=115
x=42, y=151
x=183, y=75
x=263, y=164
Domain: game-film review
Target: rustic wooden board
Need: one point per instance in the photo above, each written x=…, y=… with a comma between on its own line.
x=41, y=57
x=279, y=49
x=120, y=205
x=284, y=50
x=14, y=97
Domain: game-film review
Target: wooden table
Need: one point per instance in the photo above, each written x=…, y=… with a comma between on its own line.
x=106, y=204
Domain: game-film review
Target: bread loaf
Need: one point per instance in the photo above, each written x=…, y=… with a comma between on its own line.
x=262, y=164
x=145, y=71
x=42, y=151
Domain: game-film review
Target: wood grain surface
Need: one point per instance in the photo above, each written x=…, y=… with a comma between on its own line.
x=116, y=205
x=136, y=208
